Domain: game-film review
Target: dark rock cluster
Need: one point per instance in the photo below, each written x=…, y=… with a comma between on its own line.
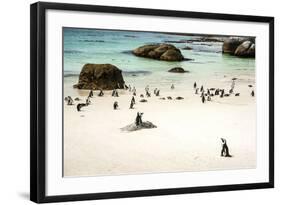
x=240, y=46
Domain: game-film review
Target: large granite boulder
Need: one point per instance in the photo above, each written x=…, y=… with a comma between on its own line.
x=246, y=49
x=230, y=44
x=239, y=46
x=178, y=70
x=100, y=76
x=165, y=52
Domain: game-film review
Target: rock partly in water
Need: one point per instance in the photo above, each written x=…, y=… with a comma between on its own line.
x=143, y=100
x=187, y=48
x=100, y=76
x=179, y=98
x=166, y=52
x=178, y=70
x=240, y=46
x=246, y=49
x=230, y=44
x=134, y=127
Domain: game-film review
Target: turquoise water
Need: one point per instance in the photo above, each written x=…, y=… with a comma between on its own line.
x=83, y=46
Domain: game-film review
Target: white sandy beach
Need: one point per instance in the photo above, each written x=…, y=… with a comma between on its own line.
x=187, y=137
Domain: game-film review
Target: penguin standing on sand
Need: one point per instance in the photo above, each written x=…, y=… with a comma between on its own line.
x=115, y=105
x=132, y=104
x=101, y=93
x=217, y=92
x=158, y=93
x=154, y=91
x=113, y=93
x=196, y=91
x=224, y=150
x=69, y=101
x=202, y=88
x=147, y=94
x=116, y=94
x=91, y=94
x=253, y=93
x=172, y=87
x=222, y=93
x=194, y=85
x=139, y=119
x=203, y=99
x=133, y=100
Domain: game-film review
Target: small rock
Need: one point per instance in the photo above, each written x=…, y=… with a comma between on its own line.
x=134, y=127
x=178, y=70
x=187, y=48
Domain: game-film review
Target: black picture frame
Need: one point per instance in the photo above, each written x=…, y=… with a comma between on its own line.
x=38, y=101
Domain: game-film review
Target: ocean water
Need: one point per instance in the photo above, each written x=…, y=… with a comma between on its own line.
x=81, y=46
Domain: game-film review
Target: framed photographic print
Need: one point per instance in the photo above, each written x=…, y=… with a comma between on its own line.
x=129, y=102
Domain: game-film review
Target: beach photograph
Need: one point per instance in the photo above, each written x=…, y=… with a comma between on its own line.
x=143, y=102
